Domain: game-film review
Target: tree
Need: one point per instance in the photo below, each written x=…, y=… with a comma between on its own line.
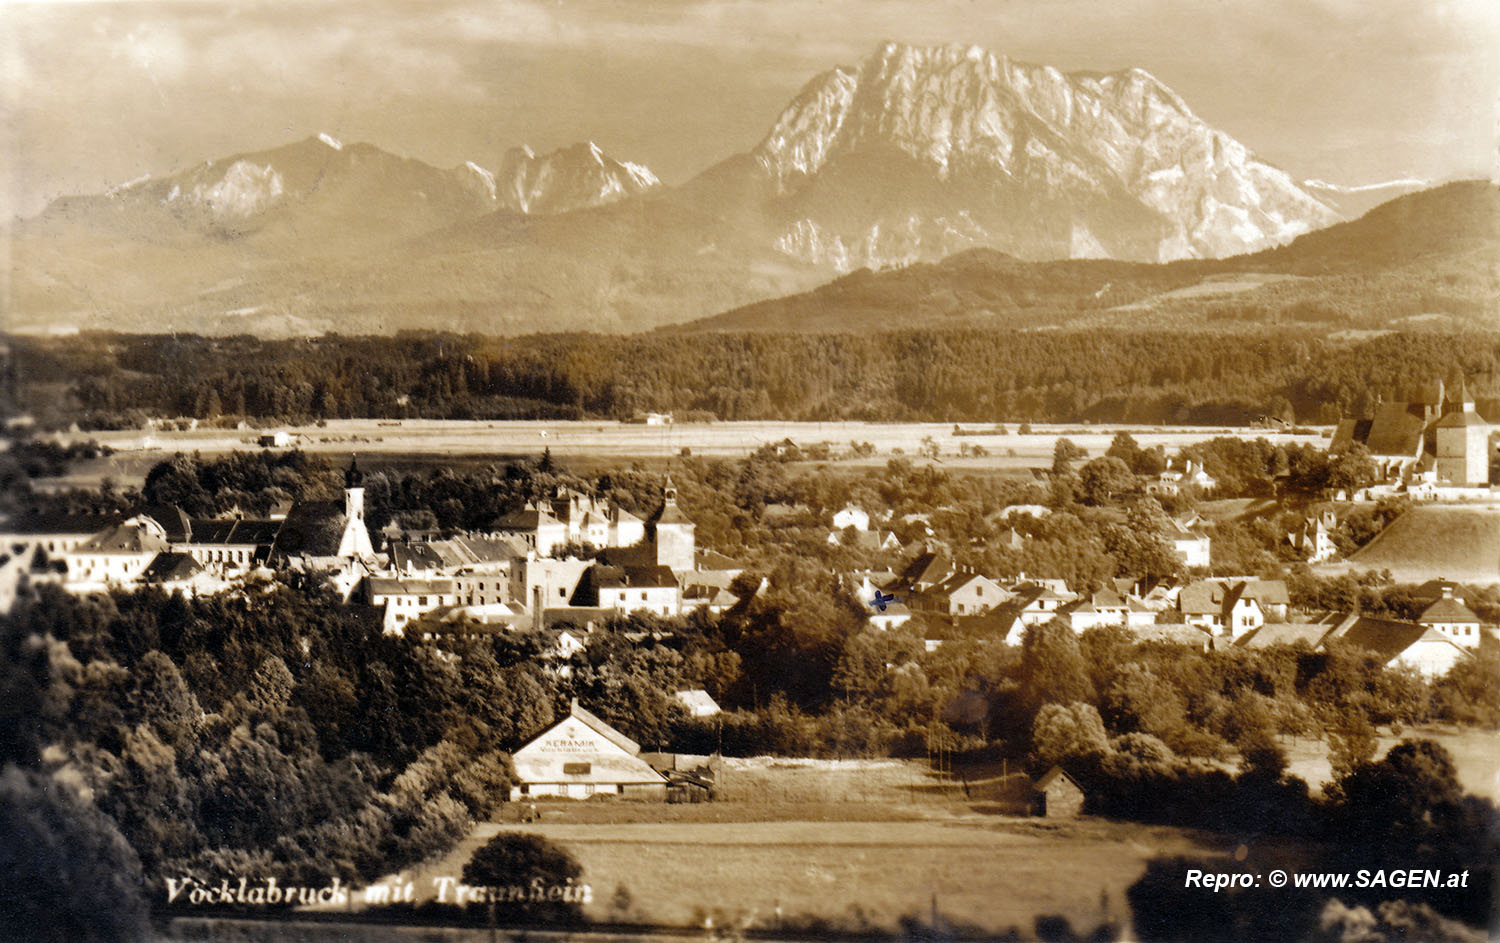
x=526, y=862
x=1103, y=478
x=1052, y=666
x=66, y=872
x=1062, y=732
x=1064, y=453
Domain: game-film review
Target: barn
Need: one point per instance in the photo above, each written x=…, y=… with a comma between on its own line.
x=581, y=757
x=1057, y=795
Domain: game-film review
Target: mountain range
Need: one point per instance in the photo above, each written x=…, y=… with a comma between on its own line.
x=911, y=156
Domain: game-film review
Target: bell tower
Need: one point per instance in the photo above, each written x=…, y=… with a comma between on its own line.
x=355, y=541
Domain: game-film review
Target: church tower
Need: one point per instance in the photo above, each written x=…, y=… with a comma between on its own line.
x=672, y=532
x=1463, y=443
x=355, y=541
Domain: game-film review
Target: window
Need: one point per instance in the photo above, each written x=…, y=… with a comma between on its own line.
x=561, y=593
x=588, y=789
x=421, y=600
x=643, y=594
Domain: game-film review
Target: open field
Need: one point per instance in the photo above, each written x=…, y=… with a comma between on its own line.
x=1476, y=754
x=1457, y=543
x=981, y=870
x=409, y=442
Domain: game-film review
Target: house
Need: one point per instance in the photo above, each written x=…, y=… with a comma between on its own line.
x=872, y=541
x=1270, y=595
x=1189, y=541
x=964, y=592
x=174, y=571
x=698, y=702
x=330, y=538
x=1401, y=644
x=1106, y=607
x=1454, y=620
x=1313, y=541
x=545, y=583
x=1273, y=634
x=652, y=589
x=1057, y=795
x=279, y=439
x=536, y=527
x=53, y=534
x=580, y=757
x=1038, y=601
x=925, y=571
x=851, y=516
x=115, y=557
x=403, y=600
x=1220, y=608
x=1172, y=480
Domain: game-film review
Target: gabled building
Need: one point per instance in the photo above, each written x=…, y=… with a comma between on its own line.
x=581, y=757
x=1106, y=607
x=534, y=526
x=1313, y=541
x=1404, y=644
x=962, y=593
x=851, y=516
x=1442, y=432
x=1454, y=620
x=1219, y=608
x=115, y=557
x=652, y=589
x=402, y=600
x=1190, y=542
x=672, y=532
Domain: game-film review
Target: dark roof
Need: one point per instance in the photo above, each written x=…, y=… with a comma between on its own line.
x=312, y=529
x=1284, y=633
x=1448, y=610
x=127, y=538
x=1384, y=637
x=169, y=566
x=418, y=555
x=707, y=559
x=35, y=522
x=526, y=519
x=1396, y=429
x=643, y=554
x=244, y=531
x=1054, y=775
x=1462, y=419
x=642, y=576
x=669, y=513
x=174, y=521
x=929, y=567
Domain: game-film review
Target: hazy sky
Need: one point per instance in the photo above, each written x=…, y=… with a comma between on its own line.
x=96, y=94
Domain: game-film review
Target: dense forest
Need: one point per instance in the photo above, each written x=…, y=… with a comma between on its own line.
x=108, y=380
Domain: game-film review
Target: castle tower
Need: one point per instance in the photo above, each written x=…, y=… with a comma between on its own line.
x=355, y=541
x=672, y=531
x=1463, y=440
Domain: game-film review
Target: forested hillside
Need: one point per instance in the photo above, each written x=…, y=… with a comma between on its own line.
x=105, y=380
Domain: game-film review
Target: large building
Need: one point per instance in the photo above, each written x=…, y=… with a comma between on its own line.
x=1442, y=433
x=581, y=757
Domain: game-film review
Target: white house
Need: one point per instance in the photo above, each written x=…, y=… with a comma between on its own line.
x=1450, y=617
x=581, y=757
x=851, y=516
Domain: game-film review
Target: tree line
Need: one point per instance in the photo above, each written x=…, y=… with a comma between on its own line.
x=1183, y=377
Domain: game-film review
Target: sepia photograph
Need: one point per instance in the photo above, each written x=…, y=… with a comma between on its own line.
x=750, y=471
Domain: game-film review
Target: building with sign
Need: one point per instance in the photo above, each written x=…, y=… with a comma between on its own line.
x=581, y=757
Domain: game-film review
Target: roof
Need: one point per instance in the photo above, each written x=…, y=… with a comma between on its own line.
x=707, y=559
x=1267, y=592
x=174, y=521
x=929, y=567
x=311, y=529
x=168, y=566
x=1467, y=418
x=1173, y=632
x=1055, y=775
x=1201, y=597
x=669, y=513
x=1396, y=430
x=1385, y=638
x=525, y=519
x=385, y=586
x=246, y=531
x=36, y=522
x=655, y=576
x=1447, y=610
x=697, y=699
x=126, y=538
x=605, y=730
x=417, y=556
x=1284, y=633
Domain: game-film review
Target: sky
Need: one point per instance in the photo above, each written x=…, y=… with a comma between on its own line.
x=100, y=93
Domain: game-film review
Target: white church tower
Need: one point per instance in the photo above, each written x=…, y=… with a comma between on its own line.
x=355, y=541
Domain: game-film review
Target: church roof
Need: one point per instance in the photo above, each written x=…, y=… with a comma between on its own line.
x=1462, y=419
x=311, y=529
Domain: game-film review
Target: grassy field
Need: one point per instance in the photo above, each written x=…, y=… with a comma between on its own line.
x=1455, y=543
x=978, y=870
x=412, y=443
x=1476, y=754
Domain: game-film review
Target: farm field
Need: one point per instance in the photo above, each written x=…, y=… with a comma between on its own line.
x=413, y=442
x=980, y=870
x=1476, y=754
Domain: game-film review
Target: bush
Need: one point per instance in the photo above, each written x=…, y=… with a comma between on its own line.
x=527, y=877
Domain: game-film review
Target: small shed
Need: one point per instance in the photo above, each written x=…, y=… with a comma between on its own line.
x=1057, y=795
